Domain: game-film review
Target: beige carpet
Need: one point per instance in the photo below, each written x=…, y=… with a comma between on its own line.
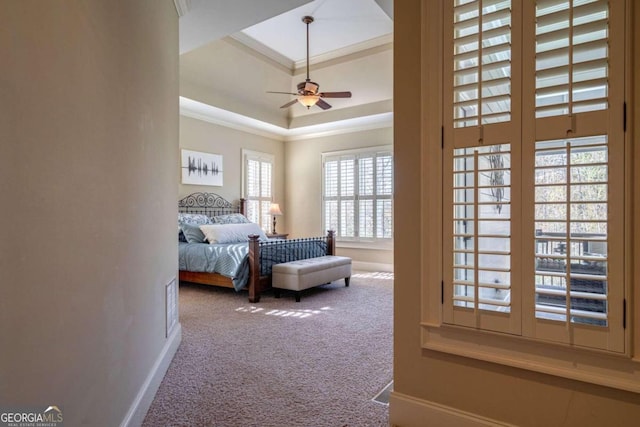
x=319, y=362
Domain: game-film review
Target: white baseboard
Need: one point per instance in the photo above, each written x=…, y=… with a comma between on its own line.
x=371, y=266
x=140, y=406
x=407, y=411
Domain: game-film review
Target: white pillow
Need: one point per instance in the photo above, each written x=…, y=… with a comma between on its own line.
x=231, y=233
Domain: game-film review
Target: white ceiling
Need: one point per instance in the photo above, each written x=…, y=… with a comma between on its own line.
x=202, y=21
x=340, y=27
x=275, y=28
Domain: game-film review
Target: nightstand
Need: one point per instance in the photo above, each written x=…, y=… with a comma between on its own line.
x=282, y=236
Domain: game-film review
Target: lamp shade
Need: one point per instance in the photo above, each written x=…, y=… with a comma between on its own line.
x=275, y=209
x=308, y=100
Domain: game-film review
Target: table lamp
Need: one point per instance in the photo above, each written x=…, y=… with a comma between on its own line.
x=274, y=211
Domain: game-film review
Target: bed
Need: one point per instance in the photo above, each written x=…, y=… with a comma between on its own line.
x=222, y=260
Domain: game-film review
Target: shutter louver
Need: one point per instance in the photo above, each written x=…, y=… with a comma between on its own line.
x=571, y=57
x=481, y=62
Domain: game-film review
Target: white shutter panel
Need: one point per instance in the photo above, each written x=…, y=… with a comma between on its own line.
x=330, y=192
x=258, y=184
x=253, y=178
x=481, y=137
x=366, y=192
x=265, y=179
x=481, y=273
x=347, y=186
x=252, y=191
x=384, y=191
x=574, y=150
x=571, y=230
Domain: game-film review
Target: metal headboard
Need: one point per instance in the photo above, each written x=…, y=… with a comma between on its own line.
x=210, y=204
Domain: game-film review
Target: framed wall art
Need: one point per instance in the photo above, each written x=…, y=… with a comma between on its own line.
x=200, y=168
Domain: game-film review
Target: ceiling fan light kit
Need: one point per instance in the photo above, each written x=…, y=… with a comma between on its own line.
x=308, y=92
x=308, y=100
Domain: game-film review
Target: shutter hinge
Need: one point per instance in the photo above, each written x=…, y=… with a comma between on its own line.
x=442, y=292
x=624, y=116
x=624, y=313
x=442, y=137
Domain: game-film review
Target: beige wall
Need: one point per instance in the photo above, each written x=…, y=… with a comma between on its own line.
x=203, y=136
x=490, y=390
x=88, y=166
x=224, y=74
x=368, y=77
x=304, y=185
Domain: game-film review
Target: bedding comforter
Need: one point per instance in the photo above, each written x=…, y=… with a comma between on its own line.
x=229, y=260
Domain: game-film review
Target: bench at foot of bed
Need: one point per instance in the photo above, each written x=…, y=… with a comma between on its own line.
x=307, y=273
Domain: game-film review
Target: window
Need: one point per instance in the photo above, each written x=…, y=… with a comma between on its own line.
x=258, y=186
x=357, y=194
x=533, y=148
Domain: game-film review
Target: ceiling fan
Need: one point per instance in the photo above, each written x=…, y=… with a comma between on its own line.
x=308, y=92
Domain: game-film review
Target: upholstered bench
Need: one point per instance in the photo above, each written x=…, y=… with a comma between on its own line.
x=307, y=273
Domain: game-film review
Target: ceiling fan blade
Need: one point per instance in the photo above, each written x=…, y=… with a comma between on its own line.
x=286, y=93
x=346, y=94
x=323, y=104
x=289, y=104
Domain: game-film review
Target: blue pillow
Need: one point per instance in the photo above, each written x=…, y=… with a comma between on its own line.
x=193, y=219
x=192, y=233
x=236, y=218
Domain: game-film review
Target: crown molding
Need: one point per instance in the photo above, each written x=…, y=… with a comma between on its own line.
x=348, y=58
x=182, y=7
x=208, y=113
x=260, y=51
x=345, y=54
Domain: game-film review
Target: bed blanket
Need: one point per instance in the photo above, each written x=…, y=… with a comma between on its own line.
x=229, y=260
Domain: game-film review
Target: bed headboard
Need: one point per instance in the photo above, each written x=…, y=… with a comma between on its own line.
x=210, y=204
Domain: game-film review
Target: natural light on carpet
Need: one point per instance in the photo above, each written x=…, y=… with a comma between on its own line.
x=298, y=314
x=385, y=275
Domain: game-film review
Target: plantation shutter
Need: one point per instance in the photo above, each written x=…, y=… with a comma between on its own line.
x=366, y=196
x=481, y=137
x=574, y=150
x=258, y=183
x=340, y=195
x=384, y=199
x=347, y=168
x=358, y=195
x=330, y=191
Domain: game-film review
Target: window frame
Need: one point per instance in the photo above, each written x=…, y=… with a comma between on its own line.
x=357, y=241
x=621, y=371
